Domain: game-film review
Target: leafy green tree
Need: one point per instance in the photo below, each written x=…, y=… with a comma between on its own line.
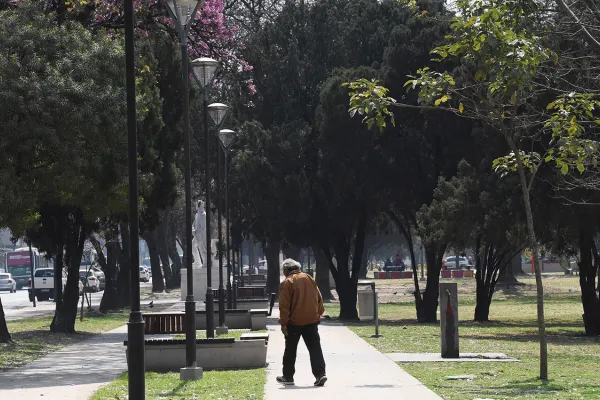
x=293, y=56
x=478, y=209
x=63, y=148
x=500, y=59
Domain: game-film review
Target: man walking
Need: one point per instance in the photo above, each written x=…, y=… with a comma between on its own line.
x=300, y=309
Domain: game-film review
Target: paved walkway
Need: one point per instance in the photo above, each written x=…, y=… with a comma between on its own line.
x=73, y=373
x=356, y=370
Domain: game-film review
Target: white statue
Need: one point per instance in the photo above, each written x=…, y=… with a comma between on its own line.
x=199, y=242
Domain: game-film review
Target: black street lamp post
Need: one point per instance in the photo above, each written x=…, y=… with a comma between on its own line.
x=204, y=71
x=226, y=137
x=183, y=12
x=135, y=327
x=217, y=112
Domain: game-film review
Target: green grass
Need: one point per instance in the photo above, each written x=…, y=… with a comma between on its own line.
x=573, y=358
x=233, y=333
x=224, y=385
x=33, y=339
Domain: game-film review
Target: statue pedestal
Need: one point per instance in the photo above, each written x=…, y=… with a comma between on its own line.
x=200, y=281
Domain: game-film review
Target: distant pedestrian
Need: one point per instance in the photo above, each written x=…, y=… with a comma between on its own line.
x=300, y=309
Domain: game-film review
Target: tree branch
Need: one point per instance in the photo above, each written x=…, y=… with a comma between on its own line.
x=563, y=5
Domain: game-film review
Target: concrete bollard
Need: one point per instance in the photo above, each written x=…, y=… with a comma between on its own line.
x=449, y=319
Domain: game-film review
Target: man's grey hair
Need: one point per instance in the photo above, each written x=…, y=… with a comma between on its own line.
x=290, y=265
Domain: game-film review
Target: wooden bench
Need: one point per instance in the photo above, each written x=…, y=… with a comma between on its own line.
x=252, y=291
x=165, y=322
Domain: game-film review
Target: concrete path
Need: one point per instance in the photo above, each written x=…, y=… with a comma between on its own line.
x=356, y=370
x=73, y=373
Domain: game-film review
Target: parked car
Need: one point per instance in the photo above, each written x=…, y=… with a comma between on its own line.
x=92, y=284
x=144, y=275
x=450, y=263
x=7, y=283
x=101, y=277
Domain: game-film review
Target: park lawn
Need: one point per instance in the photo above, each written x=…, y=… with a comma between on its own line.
x=224, y=385
x=33, y=339
x=573, y=358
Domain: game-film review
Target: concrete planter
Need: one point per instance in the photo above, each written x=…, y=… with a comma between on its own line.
x=237, y=319
x=169, y=355
x=258, y=320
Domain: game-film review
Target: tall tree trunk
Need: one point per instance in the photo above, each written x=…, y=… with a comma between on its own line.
x=64, y=317
x=273, y=267
x=364, y=264
x=174, y=254
x=347, y=294
x=513, y=269
x=124, y=277
x=110, y=297
x=162, y=247
x=59, y=263
x=322, y=273
x=587, y=281
x=482, y=309
x=434, y=254
x=346, y=290
x=58, y=270
x=538, y=272
x=158, y=284
x=4, y=333
x=346, y=281
x=404, y=227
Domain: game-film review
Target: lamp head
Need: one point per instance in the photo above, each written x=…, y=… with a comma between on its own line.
x=217, y=112
x=182, y=11
x=204, y=69
x=226, y=136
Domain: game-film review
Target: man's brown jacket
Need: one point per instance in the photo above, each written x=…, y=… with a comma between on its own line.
x=300, y=301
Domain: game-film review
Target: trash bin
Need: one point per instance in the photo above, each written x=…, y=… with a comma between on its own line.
x=366, y=304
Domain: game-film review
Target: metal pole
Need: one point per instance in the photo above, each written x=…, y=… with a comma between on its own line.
x=135, y=326
x=241, y=259
x=222, y=326
x=227, y=244
x=210, y=306
x=235, y=265
x=230, y=289
x=190, y=303
x=376, y=298
x=32, y=265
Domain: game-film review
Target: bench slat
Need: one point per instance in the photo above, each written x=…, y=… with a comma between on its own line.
x=164, y=323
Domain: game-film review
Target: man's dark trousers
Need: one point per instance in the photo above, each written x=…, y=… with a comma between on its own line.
x=310, y=334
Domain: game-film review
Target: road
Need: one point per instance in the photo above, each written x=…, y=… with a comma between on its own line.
x=17, y=305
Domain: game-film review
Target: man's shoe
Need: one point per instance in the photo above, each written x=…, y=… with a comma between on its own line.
x=285, y=381
x=321, y=381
